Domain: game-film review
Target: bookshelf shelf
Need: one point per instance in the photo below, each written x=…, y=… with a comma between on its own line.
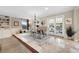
x=4, y=22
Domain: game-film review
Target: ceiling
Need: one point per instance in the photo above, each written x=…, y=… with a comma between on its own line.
x=30, y=11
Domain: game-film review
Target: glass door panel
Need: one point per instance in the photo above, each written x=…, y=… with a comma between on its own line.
x=59, y=26
x=51, y=26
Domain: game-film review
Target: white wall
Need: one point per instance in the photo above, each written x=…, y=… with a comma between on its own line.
x=76, y=22
x=76, y=19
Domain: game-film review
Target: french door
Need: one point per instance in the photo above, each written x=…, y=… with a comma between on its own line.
x=56, y=26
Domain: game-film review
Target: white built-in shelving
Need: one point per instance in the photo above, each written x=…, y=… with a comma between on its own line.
x=4, y=22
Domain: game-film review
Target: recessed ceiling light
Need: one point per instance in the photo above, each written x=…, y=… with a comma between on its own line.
x=46, y=8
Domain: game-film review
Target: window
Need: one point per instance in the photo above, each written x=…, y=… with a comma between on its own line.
x=24, y=24
x=56, y=25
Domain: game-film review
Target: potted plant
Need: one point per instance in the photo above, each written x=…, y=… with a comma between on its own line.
x=70, y=33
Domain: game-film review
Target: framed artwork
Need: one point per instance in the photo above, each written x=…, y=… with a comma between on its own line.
x=16, y=23
x=69, y=20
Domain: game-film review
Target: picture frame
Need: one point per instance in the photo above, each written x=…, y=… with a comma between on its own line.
x=69, y=20
x=16, y=23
